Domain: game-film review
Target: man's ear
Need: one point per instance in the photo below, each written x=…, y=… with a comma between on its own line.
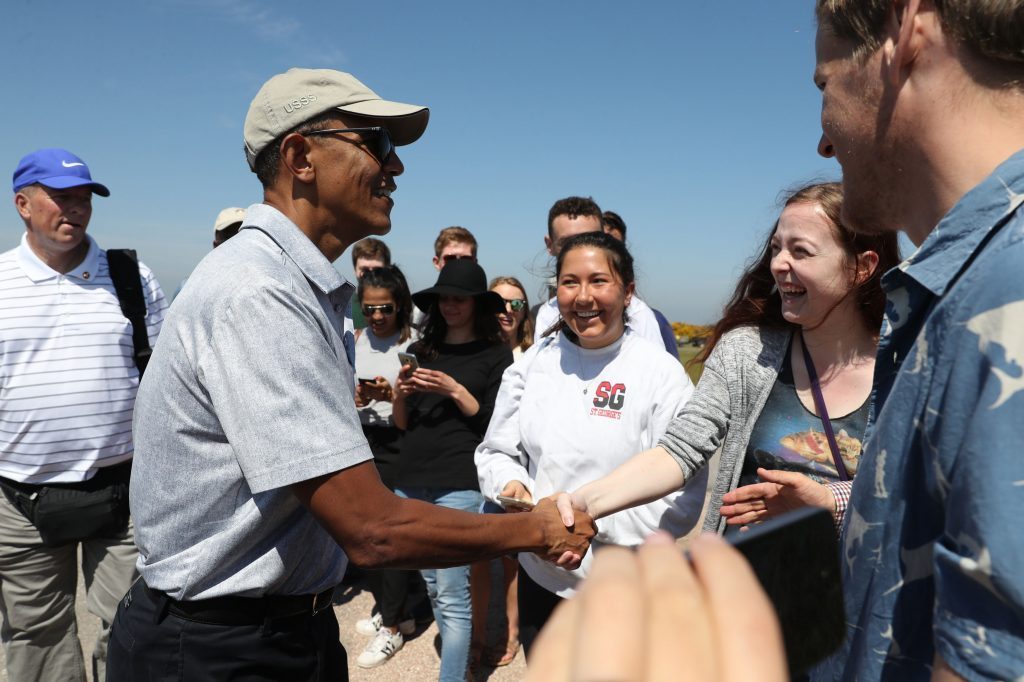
x=904, y=41
x=549, y=243
x=295, y=157
x=22, y=204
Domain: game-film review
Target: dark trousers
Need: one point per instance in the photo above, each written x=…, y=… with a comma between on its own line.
x=535, y=607
x=395, y=591
x=391, y=588
x=147, y=646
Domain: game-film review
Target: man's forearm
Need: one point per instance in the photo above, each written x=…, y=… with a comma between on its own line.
x=378, y=529
x=415, y=534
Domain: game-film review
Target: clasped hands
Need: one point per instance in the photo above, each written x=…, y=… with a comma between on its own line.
x=567, y=539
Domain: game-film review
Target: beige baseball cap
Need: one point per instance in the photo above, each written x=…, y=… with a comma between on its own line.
x=289, y=98
x=228, y=217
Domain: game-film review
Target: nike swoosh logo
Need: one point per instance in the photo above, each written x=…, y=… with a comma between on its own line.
x=72, y=164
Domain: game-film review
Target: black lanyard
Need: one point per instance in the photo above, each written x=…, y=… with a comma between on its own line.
x=819, y=403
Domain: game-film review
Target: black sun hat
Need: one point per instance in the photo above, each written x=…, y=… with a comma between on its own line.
x=461, y=277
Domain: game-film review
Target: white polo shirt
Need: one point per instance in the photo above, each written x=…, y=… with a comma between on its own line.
x=67, y=372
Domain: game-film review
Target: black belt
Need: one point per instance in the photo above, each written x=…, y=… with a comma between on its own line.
x=243, y=610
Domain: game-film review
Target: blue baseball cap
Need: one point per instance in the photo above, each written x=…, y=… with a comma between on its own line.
x=55, y=168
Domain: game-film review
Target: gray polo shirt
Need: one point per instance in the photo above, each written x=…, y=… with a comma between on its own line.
x=249, y=391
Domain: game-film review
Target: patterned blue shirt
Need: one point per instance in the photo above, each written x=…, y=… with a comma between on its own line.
x=933, y=550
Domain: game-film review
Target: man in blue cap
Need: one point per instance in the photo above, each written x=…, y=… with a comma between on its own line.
x=69, y=379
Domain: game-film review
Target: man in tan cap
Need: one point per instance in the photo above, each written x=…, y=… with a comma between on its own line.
x=228, y=222
x=252, y=397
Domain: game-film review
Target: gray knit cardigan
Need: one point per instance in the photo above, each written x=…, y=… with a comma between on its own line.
x=732, y=391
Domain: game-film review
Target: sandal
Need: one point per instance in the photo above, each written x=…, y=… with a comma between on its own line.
x=511, y=651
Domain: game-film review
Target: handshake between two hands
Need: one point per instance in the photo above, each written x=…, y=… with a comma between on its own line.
x=569, y=531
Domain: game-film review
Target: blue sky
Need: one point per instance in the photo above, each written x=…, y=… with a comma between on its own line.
x=685, y=117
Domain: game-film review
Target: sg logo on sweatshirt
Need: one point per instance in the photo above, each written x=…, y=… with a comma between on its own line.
x=608, y=400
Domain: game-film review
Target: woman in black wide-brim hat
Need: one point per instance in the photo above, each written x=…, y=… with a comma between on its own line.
x=444, y=408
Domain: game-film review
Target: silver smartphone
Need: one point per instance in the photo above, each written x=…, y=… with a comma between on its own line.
x=409, y=359
x=514, y=503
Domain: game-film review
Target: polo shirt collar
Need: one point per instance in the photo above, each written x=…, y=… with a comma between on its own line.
x=309, y=259
x=962, y=231
x=38, y=271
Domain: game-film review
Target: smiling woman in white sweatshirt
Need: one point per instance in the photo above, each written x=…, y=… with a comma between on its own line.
x=574, y=408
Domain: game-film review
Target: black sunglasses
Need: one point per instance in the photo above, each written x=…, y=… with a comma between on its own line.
x=386, y=309
x=376, y=140
x=449, y=257
x=515, y=304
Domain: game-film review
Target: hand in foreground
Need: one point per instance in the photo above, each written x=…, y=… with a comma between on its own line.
x=650, y=615
x=566, y=546
x=517, y=490
x=778, y=493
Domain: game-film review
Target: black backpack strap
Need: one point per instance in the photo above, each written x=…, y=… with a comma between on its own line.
x=124, y=273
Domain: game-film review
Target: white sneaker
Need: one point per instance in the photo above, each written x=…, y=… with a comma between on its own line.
x=370, y=626
x=383, y=646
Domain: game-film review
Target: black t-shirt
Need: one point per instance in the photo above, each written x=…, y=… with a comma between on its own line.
x=788, y=436
x=439, y=442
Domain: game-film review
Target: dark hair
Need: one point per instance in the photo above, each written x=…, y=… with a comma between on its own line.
x=756, y=300
x=485, y=327
x=618, y=257
x=269, y=158
x=613, y=221
x=573, y=207
x=392, y=279
x=524, y=333
x=988, y=29
x=371, y=248
x=453, y=235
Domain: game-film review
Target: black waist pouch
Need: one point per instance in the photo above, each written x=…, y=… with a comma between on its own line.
x=71, y=512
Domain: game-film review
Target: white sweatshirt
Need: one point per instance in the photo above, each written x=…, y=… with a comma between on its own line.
x=567, y=415
x=641, y=320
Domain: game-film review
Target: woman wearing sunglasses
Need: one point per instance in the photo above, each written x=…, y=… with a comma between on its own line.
x=444, y=407
x=575, y=406
x=384, y=300
x=516, y=325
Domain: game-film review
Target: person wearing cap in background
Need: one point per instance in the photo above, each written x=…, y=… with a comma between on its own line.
x=251, y=395
x=227, y=225
x=68, y=380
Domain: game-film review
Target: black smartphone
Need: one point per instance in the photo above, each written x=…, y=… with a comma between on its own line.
x=367, y=382
x=796, y=559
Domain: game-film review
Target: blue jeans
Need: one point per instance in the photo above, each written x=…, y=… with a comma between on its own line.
x=448, y=588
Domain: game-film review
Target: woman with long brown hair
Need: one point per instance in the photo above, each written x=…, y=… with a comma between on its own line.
x=787, y=378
